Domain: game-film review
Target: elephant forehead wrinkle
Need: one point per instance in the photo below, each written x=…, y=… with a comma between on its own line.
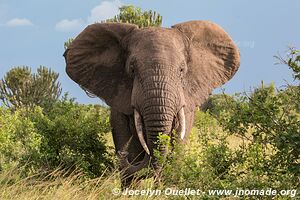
x=161, y=69
x=149, y=76
x=160, y=63
x=158, y=78
x=144, y=77
x=151, y=82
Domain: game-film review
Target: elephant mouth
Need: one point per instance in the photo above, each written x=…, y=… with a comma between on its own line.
x=180, y=131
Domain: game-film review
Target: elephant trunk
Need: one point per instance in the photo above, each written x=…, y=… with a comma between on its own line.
x=160, y=106
x=159, y=122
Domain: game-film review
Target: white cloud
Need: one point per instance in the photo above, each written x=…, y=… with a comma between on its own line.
x=105, y=10
x=19, y=22
x=69, y=25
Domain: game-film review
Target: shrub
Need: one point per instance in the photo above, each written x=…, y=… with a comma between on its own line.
x=69, y=135
x=196, y=164
x=217, y=159
x=19, y=141
x=269, y=121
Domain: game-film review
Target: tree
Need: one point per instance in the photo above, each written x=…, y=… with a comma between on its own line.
x=134, y=15
x=21, y=88
x=292, y=61
x=67, y=43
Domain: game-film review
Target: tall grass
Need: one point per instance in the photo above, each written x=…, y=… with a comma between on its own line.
x=62, y=185
x=58, y=184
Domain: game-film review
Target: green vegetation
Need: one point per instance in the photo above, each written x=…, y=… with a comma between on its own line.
x=67, y=43
x=57, y=184
x=135, y=15
x=292, y=61
x=69, y=135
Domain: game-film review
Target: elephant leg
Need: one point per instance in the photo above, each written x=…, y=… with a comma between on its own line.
x=125, y=139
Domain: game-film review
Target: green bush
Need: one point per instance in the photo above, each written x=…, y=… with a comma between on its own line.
x=69, y=135
x=269, y=121
x=19, y=140
x=203, y=162
x=217, y=159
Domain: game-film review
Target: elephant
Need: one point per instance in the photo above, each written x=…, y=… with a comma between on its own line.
x=153, y=79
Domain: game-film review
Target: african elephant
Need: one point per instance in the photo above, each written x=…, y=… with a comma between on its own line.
x=152, y=78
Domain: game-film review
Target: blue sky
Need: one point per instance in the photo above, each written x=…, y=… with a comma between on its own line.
x=33, y=32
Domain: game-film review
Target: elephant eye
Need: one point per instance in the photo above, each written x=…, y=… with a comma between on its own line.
x=131, y=67
x=182, y=69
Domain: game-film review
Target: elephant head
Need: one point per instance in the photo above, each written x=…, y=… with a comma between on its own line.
x=158, y=75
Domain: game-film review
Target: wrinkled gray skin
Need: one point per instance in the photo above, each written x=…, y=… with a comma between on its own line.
x=153, y=79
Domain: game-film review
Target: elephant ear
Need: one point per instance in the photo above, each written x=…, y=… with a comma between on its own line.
x=213, y=59
x=96, y=61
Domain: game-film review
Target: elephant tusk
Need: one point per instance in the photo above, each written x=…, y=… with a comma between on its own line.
x=181, y=118
x=139, y=130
